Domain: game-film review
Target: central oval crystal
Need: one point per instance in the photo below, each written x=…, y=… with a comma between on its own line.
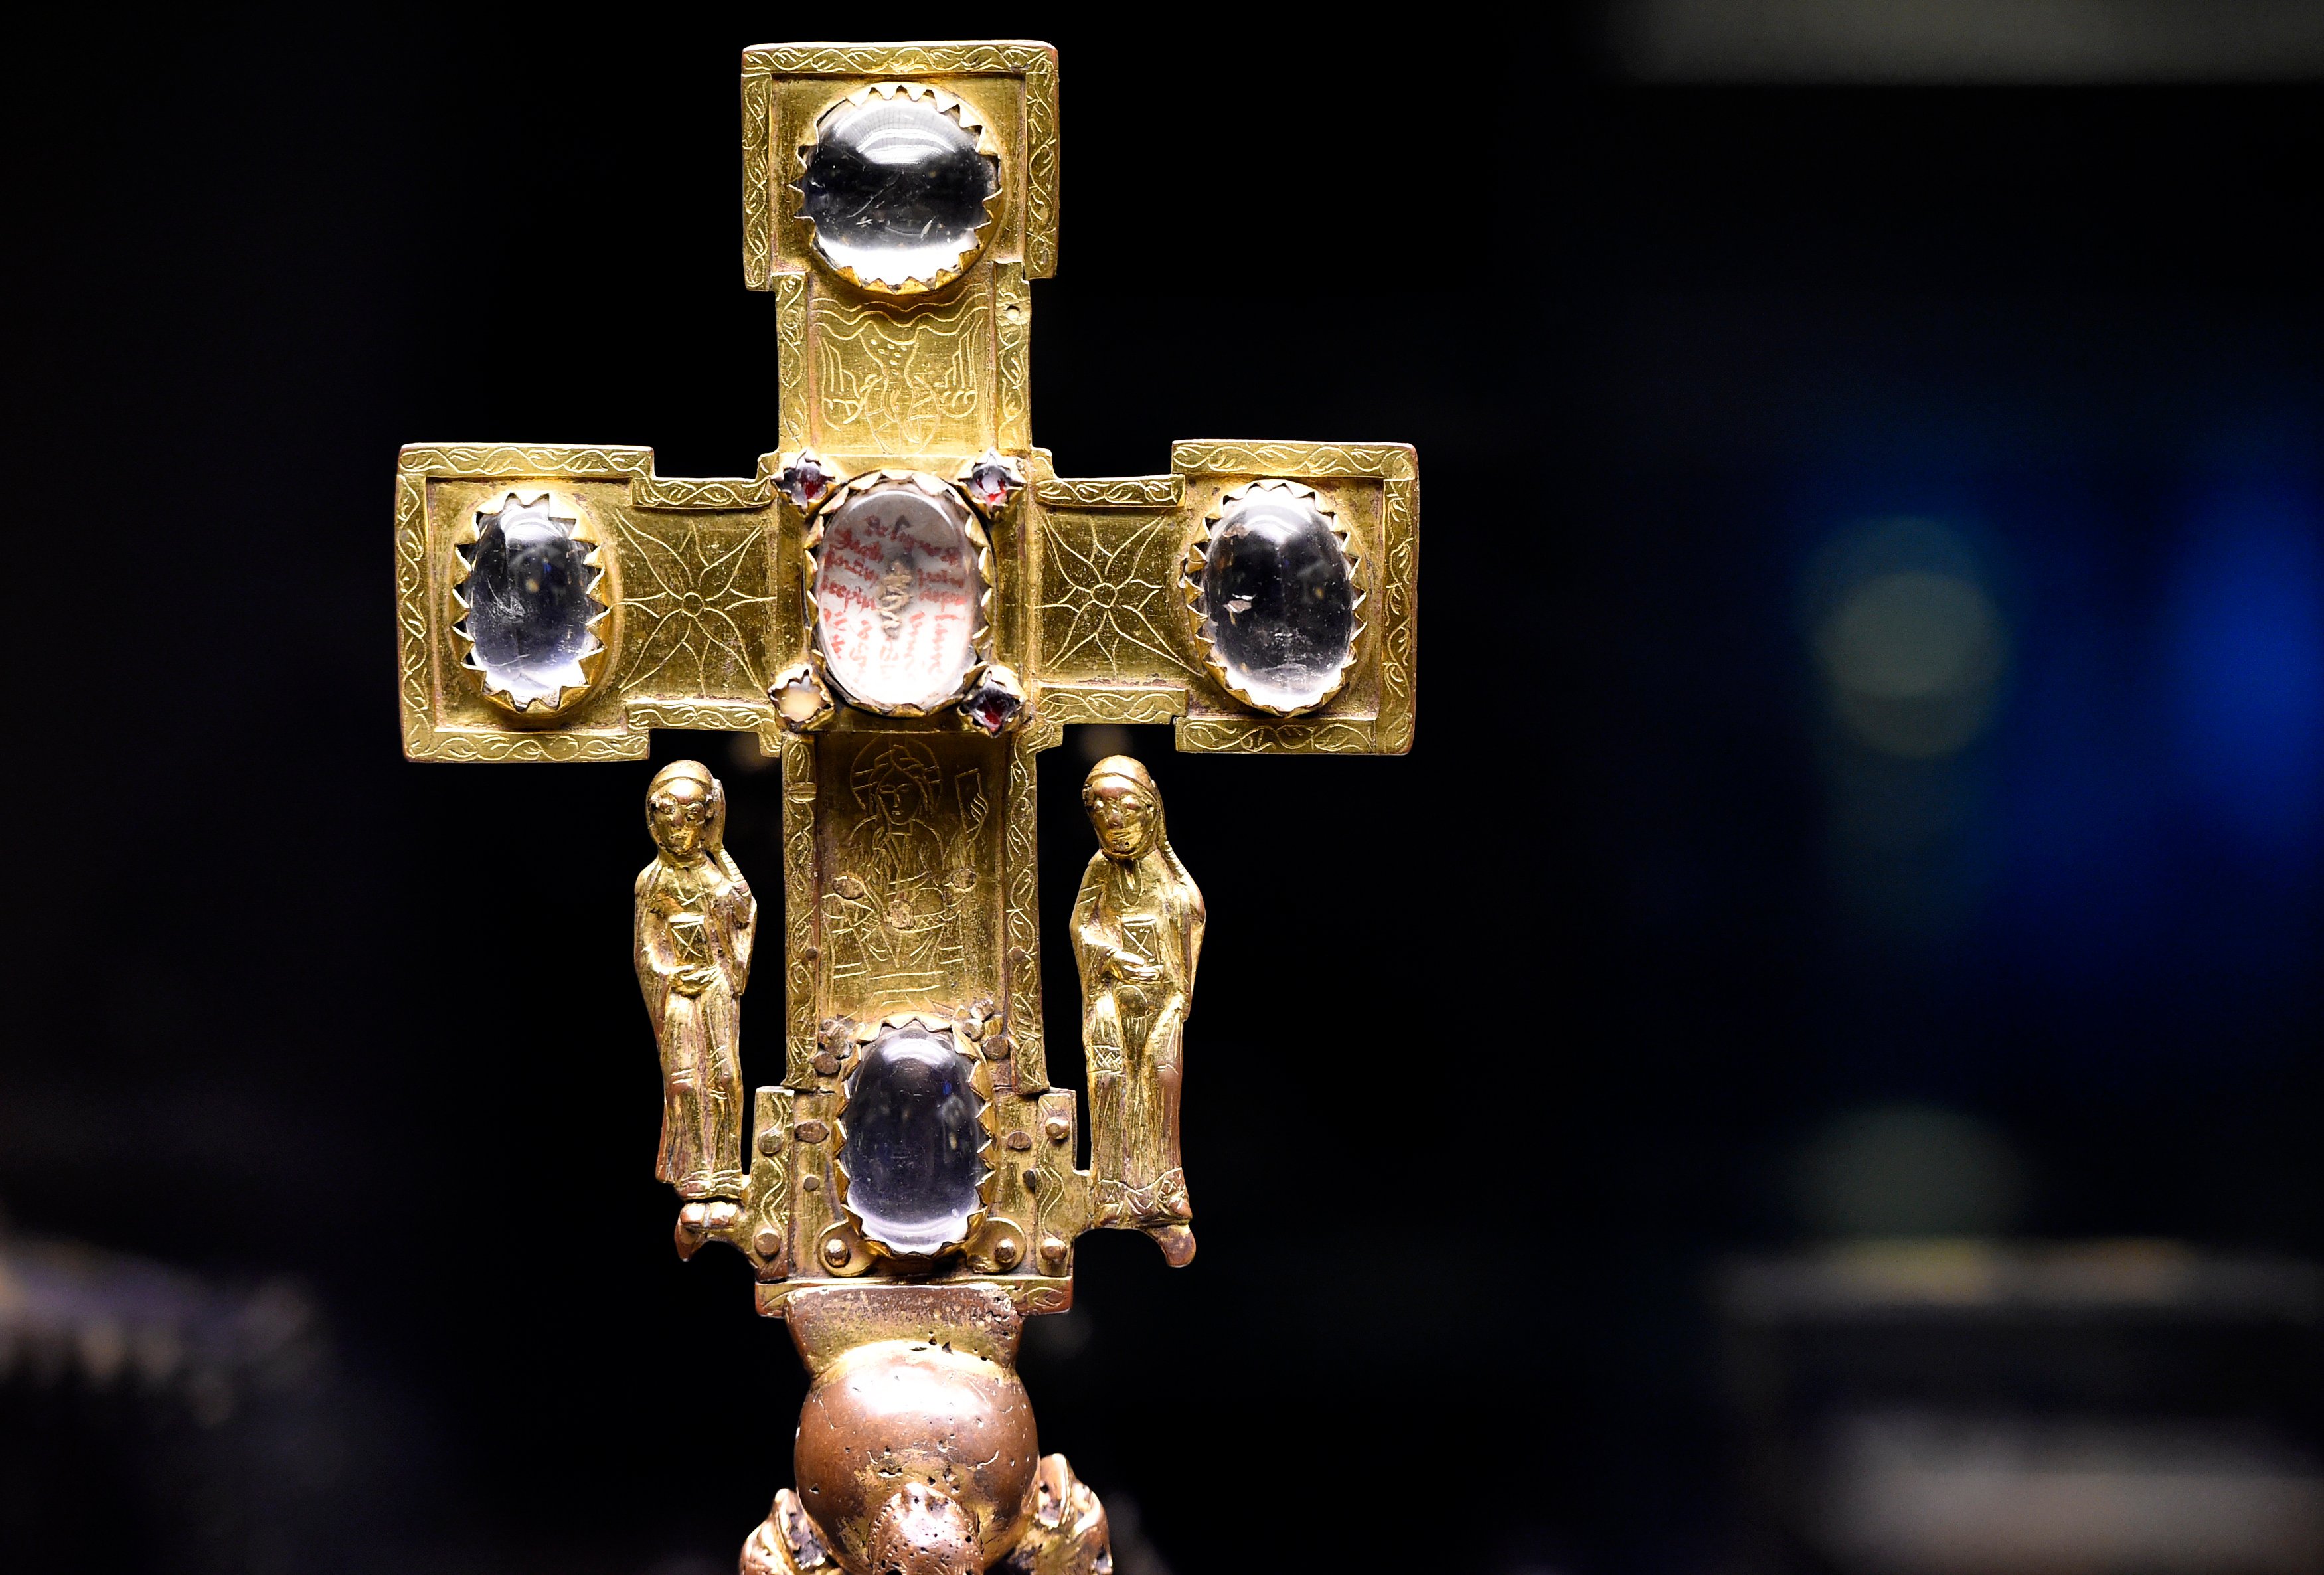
x=913, y=1151
x=899, y=594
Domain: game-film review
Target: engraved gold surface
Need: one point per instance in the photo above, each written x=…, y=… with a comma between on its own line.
x=889, y=380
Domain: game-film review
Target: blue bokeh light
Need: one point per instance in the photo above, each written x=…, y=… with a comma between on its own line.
x=2243, y=647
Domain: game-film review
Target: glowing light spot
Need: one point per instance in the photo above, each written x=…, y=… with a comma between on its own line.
x=1911, y=644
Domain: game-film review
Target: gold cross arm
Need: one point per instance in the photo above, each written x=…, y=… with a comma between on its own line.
x=704, y=579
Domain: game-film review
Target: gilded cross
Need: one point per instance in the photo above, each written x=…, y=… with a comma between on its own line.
x=905, y=604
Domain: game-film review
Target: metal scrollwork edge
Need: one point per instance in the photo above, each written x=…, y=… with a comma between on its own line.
x=1115, y=491
x=1399, y=596
x=1292, y=461
x=1226, y=735
x=758, y=209
x=1012, y=323
x=790, y=360
x=1020, y=845
x=799, y=910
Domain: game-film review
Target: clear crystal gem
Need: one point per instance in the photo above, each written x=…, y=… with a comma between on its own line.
x=896, y=189
x=1278, y=598
x=530, y=603
x=914, y=1150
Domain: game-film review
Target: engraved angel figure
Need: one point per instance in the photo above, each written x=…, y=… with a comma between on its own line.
x=696, y=922
x=1137, y=929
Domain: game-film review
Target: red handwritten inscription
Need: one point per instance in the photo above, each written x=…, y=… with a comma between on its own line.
x=897, y=588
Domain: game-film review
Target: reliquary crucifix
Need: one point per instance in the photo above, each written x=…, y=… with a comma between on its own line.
x=905, y=604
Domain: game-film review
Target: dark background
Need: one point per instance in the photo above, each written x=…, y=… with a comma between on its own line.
x=1498, y=1048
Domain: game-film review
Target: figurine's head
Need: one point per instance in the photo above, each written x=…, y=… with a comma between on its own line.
x=685, y=809
x=1124, y=809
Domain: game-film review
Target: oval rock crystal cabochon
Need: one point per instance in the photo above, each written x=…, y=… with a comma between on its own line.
x=528, y=601
x=913, y=1153
x=898, y=596
x=1277, y=598
x=896, y=188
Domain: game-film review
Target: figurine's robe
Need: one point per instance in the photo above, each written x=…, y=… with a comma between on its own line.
x=696, y=923
x=1148, y=911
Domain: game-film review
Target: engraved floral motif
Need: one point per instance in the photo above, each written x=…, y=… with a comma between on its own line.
x=690, y=641
x=1102, y=584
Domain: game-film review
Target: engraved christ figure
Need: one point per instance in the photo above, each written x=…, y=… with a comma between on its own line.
x=1137, y=930
x=894, y=908
x=696, y=923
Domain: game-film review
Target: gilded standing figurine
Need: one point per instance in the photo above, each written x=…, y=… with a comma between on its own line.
x=696, y=922
x=1137, y=930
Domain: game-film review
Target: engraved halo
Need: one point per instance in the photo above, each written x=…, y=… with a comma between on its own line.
x=923, y=1026
x=1221, y=666
x=912, y=269
x=828, y=516
x=574, y=675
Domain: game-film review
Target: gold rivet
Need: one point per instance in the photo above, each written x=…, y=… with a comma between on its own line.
x=767, y=1243
x=810, y=1183
x=1057, y=1127
x=1052, y=1251
x=1007, y=1251
x=836, y=1252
